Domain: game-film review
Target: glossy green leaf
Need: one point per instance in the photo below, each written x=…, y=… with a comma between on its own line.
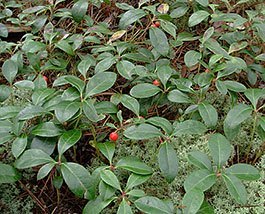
x=208, y=114
x=76, y=82
x=144, y=90
x=3, y=31
x=9, y=70
x=46, y=144
x=164, y=73
x=235, y=188
x=65, y=110
x=234, y=86
x=202, y=179
x=203, y=3
x=130, y=17
x=135, y=180
x=31, y=158
x=79, y=10
x=68, y=139
x=162, y=123
x=152, y=205
x=124, y=208
x=177, y=96
x=254, y=94
x=110, y=178
x=189, y=127
x=90, y=110
x=47, y=129
x=105, y=64
x=141, y=132
x=25, y=84
x=130, y=103
x=100, y=82
x=31, y=112
x=66, y=47
x=107, y=149
x=8, y=174
x=191, y=58
x=243, y=172
x=179, y=11
x=237, y=115
x=96, y=206
x=77, y=178
x=168, y=161
x=40, y=95
x=125, y=69
x=19, y=145
x=138, y=193
x=197, y=17
x=220, y=149
x=192, y=201
x=105, y=191
x=159, y=41
x=206, y=208
x=45, y=170
x=134, y=165
x=200, y=160
x=216, y=48
x=5, y=92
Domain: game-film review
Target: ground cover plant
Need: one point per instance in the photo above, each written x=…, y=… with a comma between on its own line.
x=132, y=106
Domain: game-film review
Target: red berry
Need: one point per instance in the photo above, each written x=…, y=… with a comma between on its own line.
x=113, y=136
x=156, y=83
x=153, y=25
x=45, y=78
x=157, y=24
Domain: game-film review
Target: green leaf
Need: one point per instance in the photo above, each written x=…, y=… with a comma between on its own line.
x=235, y=188
x=65, y=110
x=159, y=41
x=208, y=114
x=197, y=17
x=237, y=115
x=79, y=10
x=203, y=3
x=30, y=112
x=164, y=73
x=68, y=139
x=189, y=127
x=192, y=201
x=144, y=90
x=66, y=47
x=40, y=95
x=236, y=46
x=138, y=193
x=130, y=17
x=254, y=94
x=76, y=82
x=179, y=11
x=9, y=70
x=220, y=149
x=90, y=110
x=19, y=145
x=202, y=179
x=6, y=137
x=105, y=64
x=3, y=31
x=130, y=103
x=200, y=160
x=134, y=165
x=124, y=208
x=105, y=190
x=177, y=96
x=77, y=178
x=8, y=174
x=216, y=48
x=135, y=180
x=106, y=107
x=162, y=123
x=141, y=132
x=100, y=82
x=31, y=158
x=5, y=92
x=125, y=69
x=168, y=161
x=191, y=58
x=25, y=84
x=96, y=206
x=107, y=149
x=234, y=86
x=46, y=144
x=221, y=87
x=85, y=64
x=7, y=112
x=152, y=205
x=206, y=208
x=45, y=170
x=244, y=172
x=47, y=129
x=169, y=27
x=260, y=57
x=110, y=178
x=207, y=35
